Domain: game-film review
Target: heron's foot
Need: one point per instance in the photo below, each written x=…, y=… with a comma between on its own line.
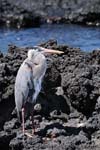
x=23, y=135
x=33, y=131
x=28, y=134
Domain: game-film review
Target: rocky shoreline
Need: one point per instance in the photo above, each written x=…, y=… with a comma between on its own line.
x=33, y=13
x=69, y=117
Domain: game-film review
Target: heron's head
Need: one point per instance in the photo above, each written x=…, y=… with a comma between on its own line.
x=37, y=56
x=40, y=50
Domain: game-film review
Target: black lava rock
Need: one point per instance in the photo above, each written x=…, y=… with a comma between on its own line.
x=67, y=111
x=32, y=13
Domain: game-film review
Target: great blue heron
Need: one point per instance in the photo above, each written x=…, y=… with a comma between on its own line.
x=29, y=78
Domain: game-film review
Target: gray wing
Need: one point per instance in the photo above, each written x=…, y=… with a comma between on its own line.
x=24, y=86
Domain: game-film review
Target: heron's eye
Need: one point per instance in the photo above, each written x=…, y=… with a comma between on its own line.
x=36, y=64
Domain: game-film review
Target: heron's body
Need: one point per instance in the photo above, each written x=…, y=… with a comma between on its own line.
x=28, y=81
x=29, y=78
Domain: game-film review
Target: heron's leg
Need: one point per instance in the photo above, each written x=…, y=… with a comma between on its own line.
x=33, y=124
x=23, y=124
x=23, y=121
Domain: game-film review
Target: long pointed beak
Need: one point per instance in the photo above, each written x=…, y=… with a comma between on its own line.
x=51, y=51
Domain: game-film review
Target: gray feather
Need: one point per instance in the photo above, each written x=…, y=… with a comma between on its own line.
x=29, y=79
x=24, y=85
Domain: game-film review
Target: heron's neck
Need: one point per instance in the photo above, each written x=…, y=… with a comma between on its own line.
x=37, y=86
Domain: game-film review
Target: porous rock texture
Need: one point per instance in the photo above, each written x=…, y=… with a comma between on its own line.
x=67, y=111
x=27, y=13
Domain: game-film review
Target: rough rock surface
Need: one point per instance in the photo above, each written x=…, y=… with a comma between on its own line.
x=67, y=113
x=27, y=13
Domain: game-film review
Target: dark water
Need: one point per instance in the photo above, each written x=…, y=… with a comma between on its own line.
x=87, y=38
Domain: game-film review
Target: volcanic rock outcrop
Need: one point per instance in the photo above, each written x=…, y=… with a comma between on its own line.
x=69, y=117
